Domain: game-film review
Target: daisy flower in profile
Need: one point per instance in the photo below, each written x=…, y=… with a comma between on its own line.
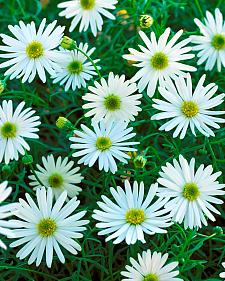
x=187, y=108
x=104, y=144
x=151, y=267
x=14, y=127
x=88, y=13
x=74, y=69
x=59, y=174
x=31, y=52
x=211, y=44
x=43, y=227
x=159, y=60
x=191, y=193
x=113, y=100
x=5, y=211
x=222, y=275
x=132, y=215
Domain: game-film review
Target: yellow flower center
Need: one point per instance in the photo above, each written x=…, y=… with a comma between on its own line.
x=75, y=67
x=135, y=216
x=8, y=130
x=112, y=102
x=189, y=109
x=159, y=61
x=191, y=191
x=87, y=4
x=150, y=277
x=35, y=50
x=46, y=227
x=55, y=180
x=103, y=143
x=218, y=41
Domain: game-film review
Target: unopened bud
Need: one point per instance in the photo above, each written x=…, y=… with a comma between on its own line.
x=2, y=86
x=27, y=159
x=64, y=123
x=146, y=21
x=139, y=161
x=218, y=230
x=68, y=43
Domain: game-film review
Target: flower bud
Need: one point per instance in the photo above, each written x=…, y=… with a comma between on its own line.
x=218, y=230
x=139, y=161
x=68, y=43
x=2, y=86
x=146, y=21
x=123, y=14
x=6, y=168
x=27, y=159
x=64, y=123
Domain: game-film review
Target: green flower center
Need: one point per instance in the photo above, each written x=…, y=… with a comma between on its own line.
x=55, y=180
x=135, y=216
x=46, y=227
x=112, y=102
x=34, y=50
x=191, y=191
x=75, y=67
x=189, y=109
x=218, y=41
x=8, y=130
x=87, y=4
x=150, y=277
x=103, y=143
x=159, y=61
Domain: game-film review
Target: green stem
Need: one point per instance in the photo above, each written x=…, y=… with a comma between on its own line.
x=199, y=7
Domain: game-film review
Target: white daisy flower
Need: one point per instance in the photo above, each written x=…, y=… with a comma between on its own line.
x=88, y=13
x=113, y=100
x=59, y=174
x=151, y=267
x=132, y=215
x=5, y=211
x=211, y=44
x=188, y=108
x=159, y=60
x=222, y=275
x=14, y=127
x=105, y=143
x=31, y=52
x=74, y=70
x=44, y=227
x=191, y=193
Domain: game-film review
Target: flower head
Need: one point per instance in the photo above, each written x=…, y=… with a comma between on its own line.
x=191, y=193
x=188, y=108
x=132, y=215
x=222, y=275
x=114, y=99
x=159, y=60
x=43, y=227
x=105, y=143
x=88, y=13
x=211, y=43
x=151, y=267
x=14, y=127
x=5, y=211
x=59, y=174
x=31, y=52
x=74, y=69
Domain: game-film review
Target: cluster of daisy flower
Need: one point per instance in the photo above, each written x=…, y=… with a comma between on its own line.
x=182, y=194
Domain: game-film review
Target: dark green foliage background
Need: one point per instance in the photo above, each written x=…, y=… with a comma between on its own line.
x=199, y=253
